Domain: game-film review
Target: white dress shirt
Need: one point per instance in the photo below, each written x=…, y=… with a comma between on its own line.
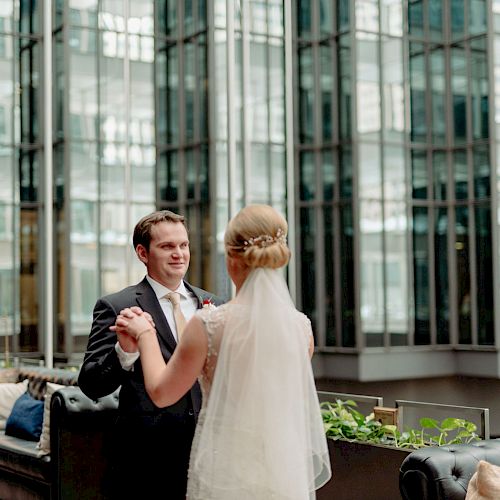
x=189, y=304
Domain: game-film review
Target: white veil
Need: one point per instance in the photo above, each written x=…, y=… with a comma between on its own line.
x=263, y=434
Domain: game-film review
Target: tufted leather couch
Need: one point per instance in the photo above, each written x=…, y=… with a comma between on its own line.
x=444, y=472
x=76, y=466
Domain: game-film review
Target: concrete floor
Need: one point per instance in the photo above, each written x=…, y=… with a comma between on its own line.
x=457, y=390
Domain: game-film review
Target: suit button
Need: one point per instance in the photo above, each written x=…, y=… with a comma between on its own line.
x=191, y=412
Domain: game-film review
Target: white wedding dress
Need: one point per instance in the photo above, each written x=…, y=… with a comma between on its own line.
x=260, y=434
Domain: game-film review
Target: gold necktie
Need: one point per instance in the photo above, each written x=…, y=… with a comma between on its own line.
x=180, y=320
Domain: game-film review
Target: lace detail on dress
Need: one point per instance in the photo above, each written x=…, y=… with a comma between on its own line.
x=214, y=320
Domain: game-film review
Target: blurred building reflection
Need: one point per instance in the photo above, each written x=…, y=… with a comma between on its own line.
x=372, y=124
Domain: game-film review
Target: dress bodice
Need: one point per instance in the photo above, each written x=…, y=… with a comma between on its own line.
x=214, y=320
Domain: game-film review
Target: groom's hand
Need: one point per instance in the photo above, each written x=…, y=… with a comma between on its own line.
x=127, y=341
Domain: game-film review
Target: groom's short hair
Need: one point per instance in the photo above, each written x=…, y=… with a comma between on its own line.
x=142, y=230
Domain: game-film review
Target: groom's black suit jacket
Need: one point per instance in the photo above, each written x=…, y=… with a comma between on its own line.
x=140, y=421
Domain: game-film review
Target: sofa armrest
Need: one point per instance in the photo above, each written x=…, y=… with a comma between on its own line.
x=434, y=473
x=79, y=440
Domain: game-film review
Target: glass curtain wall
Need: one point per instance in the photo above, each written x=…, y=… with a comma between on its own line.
x=351, y=171
x=247, y=66
x=450, y=172
x=104, y=154
x=20, y=163
x=182, y=124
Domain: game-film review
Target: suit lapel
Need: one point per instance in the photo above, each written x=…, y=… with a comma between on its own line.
x=146, y=298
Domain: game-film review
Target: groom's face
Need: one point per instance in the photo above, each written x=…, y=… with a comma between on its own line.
x=167, y=259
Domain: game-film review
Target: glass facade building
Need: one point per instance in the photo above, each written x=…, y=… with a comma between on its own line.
x=372, y=124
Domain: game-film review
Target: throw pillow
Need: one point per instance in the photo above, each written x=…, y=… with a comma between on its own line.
x=9, y=392
x=485, y=483
x=44, y=443
x=25, y=419
x=10, y=375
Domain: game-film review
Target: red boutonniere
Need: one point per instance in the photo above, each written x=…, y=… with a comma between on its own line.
x=208, y=304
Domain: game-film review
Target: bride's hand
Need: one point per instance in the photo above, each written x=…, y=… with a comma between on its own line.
x=134, y=322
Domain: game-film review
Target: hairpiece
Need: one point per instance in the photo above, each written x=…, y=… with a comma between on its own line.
x=265, y=240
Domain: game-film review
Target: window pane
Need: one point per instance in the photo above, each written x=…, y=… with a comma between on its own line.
x=463, y=274
x=419, y=174
x=484, y=270
x=421, y=275
x=347, y=277
x=372, y=272
x=396, y=271
x=308, y=263
x=441, y=276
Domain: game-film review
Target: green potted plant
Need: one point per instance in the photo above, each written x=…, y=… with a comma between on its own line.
x=366, y=454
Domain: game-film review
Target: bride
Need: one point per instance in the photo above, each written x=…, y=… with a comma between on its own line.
x=260, y=434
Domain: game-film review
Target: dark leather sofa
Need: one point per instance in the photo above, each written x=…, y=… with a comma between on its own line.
x=77, y=465
x=444, y=472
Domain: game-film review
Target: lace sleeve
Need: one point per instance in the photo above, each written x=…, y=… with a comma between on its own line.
x=213, y=321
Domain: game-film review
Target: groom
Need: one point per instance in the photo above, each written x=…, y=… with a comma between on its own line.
x=151, y=446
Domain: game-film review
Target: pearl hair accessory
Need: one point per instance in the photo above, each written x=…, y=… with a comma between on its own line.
x=265, y=240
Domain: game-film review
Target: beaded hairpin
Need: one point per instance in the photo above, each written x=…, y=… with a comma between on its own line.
x=265, y=240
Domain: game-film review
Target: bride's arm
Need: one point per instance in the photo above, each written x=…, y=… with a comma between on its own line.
x=166, y=383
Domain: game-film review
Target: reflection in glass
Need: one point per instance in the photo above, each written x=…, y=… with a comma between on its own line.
x=459, y=92
x=172, y=110
x=370, y=171
x=440, y=170
x=481, y=172
x=326, y=88
x=436, y=19
x=329, y=296
x=393, y=90
x=441, y=276
x=345, y=171
x=308, y=263
x=343, y=14
x=479, y=89
x=460, y=174
x=477, y=16
x=304, y=18
x=394, y=173
x=396, y=271
x=416, y=17
x=306, y=95
x=168, y=176
x=29, y=90
x=345, y=70
x=391, y=17
x=29, y=174
x=457, y=17
x=347, y=276
x=276, y=91
x=438, y=87
x=419, y=174
x=484, y=271
x=417, y=92
x=372, y=272
x=29, y=279
x=307, y=175
x=329, y=175
x=326, y=17
x=368, y=84
x=463, y=295
x=367, y=15
x=421, y=275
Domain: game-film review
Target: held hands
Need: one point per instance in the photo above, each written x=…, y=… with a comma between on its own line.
x=130, y=324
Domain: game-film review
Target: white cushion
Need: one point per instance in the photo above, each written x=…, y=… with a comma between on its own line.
x=43, y=445
x=9, y=393
x=485, y=483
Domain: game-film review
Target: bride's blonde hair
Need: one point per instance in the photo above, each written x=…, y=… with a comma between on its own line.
x=257, y=235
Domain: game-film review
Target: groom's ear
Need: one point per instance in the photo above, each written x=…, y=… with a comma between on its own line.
x=142, y=253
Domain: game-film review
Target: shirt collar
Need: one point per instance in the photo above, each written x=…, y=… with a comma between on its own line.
x=161, y=290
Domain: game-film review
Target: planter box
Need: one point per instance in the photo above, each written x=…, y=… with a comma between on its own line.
x=363, y=471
